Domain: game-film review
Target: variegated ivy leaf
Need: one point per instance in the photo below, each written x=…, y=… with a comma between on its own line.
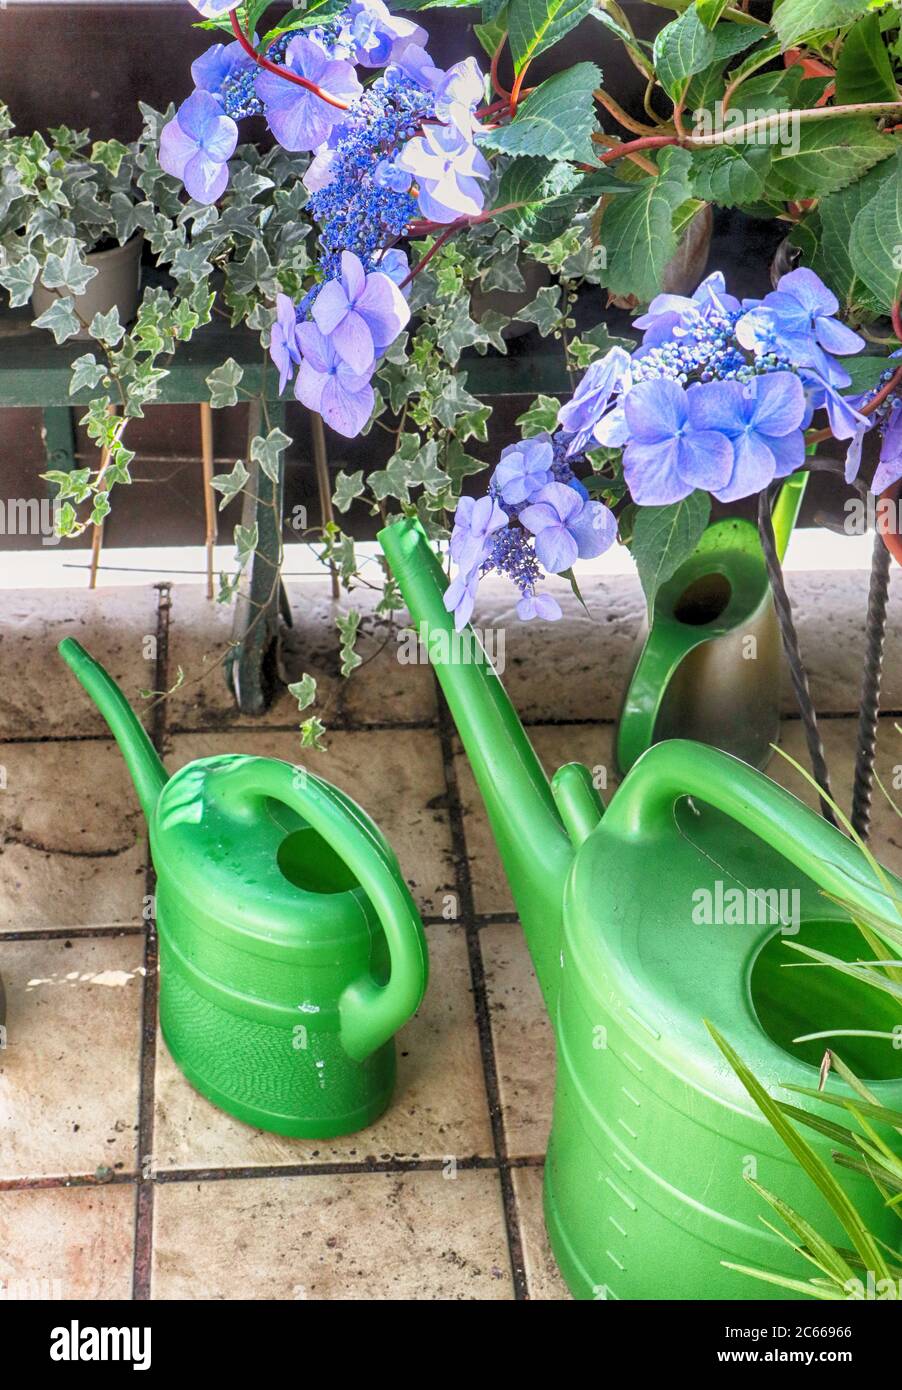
x=18, y=278
x=347, y=487
x=230, y=484
x=540, y=418
x=348, y=625
x=107, y=328
x=304, y=691
x=87, y=373
x=544, y=311
x=223, y=383
x=246, y=538
x=312, y=731
x=68, y=270
x=269, y=450
x=60, y=319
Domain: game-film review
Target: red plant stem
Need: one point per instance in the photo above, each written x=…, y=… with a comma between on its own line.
x=516, y=89
x=424, y=229
x=436, y=246
x=496, y=58
x=645, y=142
x=279, y=71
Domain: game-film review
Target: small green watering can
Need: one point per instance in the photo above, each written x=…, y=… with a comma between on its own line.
x=633, y=917
x=708, y=666
x=291, y=951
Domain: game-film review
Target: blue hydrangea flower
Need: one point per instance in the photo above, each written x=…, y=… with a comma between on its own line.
x=475, y=520
x=762, y=420
x=567, y=527
x=671, y=452
x=889, y=468
x=457, y=94
x=361, y=313
x=845, y=419
x=196, y=146
x=220, y=63
x=283, y=340
x=325, y=383
x=447, y=167
x=395, y=265
x=798, y=319
x=668, y=313
x=538, y=606
x=581, y=415
x=523, y=470
x=387, y=175
x=299, y=119
x=213, y=9
x=373, y=35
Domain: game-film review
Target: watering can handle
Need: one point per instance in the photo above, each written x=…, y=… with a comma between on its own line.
x=369, y=1013
x=666, y=646
x=644, y=805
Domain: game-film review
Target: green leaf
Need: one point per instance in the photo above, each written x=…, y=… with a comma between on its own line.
x=18, y=277
x=544, y=311
x=729, y=175
x=230, y=484
x=864, y=71
x=312, y=731
x=534, y=25
x=808, y=1160
x=831, y=154
x=831, y=254
x=348, y=625
x=304, y=691
x=663, y=537
x=223, y=383
x=107, y=328
x=347, y=487
x=637, y=229
x=709, y=11
x=540, y=418
x=109, y=153
x=87, y=373
x=246, y=539
x=556, y=122
x=539, y=185
x=794, y=19
x=269, y=450
x=682, y=48
x=67, y=271
x=60, y=319
x=876, y=244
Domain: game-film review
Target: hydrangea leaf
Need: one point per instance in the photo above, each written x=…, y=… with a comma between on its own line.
x=876, y=244
x=830, y=155
x=557, y=120
x=663, y=537
x=637, y=230
x=534, y=25
x=794, y=19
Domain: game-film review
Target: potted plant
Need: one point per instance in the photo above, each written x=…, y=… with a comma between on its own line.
x=68, y=226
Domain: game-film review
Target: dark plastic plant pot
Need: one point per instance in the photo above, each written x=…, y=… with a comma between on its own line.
x=116, y=285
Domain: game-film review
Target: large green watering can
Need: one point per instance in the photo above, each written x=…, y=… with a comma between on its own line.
x=290, y=948
x=707, y=666
x=634, y=920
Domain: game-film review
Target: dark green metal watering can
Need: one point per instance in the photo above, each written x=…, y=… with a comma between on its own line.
x=630, y=915
x=707, y=667
x=291, y=951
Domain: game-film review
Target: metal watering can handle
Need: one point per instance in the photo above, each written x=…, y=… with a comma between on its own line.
x=369, y=1014
x=643, y=806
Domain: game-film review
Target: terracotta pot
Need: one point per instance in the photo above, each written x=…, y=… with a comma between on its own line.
x=116, y=285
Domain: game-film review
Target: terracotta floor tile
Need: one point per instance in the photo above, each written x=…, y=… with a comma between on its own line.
x=67, y=1242
x=39, y=695
x=522, y=1038
x=439, y=1107
x=72, y=837
x=543, y=1278
x=69, y=1072
x=396, y=775
x=358, y=1235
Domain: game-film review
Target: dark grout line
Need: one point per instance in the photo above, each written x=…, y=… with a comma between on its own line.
x=69, y=933
x=480, y=999
x=341, y=1168
x=143, y=1252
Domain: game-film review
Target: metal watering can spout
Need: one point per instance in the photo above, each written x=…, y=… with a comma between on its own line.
x=536, y=825
x=147, y=772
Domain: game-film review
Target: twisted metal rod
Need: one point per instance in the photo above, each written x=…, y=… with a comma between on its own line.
x=869, y=708
x=793, y=653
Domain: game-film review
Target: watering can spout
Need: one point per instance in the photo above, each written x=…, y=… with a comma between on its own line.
x=147, y=772
x=530, y=832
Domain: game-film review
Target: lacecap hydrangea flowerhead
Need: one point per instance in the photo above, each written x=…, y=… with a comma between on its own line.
x=391, y=155
x=717, y=396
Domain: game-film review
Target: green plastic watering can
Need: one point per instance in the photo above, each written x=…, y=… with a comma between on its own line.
x=291, y=950
x=708, y=665
x=642, y=921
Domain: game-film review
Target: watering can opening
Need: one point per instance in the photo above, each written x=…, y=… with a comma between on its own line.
x=793, y=997
x=309, y=862
x=703, y=600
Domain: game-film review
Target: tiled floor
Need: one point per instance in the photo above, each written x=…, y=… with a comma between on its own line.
x=115, y=1176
